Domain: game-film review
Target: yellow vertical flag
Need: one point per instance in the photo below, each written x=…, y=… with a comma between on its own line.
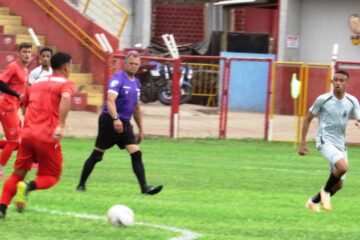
x=295, y=86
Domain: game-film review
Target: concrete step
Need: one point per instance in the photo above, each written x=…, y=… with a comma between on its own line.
x=95, y=100
x=27, y=38
x=91, y=88
x=76, y=68
x=10, y=20
x=81, y=78
x=4, y=11
x=15, y=29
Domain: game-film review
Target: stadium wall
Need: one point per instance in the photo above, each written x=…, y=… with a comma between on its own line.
x=57, y=36
x=319, y=24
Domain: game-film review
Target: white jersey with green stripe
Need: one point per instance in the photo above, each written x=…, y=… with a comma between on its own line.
x=333, y=116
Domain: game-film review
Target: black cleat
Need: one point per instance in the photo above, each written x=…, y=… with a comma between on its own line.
x=81, y=188
x=149, y=190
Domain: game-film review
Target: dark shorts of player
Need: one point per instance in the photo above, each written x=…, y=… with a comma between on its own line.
x=107, y=136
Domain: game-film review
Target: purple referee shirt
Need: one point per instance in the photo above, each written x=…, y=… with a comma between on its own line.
x=128, y=94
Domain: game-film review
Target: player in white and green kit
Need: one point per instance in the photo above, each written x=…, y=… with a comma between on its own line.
x=333, y=110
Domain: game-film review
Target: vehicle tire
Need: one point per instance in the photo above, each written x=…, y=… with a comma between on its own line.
x=186, y=92
x=165, y=94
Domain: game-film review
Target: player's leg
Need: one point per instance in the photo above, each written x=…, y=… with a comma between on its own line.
x=10, y=187
x=2, y=145
x=89, y=165
x=50, y=161
x=139, y=170
x=11, y=125
x=9, y=191
x=105, y=139
x=338, y=164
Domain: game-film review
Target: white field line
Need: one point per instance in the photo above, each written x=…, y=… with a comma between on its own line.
x=185, y=233
x=310, y=172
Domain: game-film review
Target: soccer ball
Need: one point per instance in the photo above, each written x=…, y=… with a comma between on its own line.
x=120, y=216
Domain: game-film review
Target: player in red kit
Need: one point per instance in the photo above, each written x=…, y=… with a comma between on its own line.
x=48, y=103
x=13, y=83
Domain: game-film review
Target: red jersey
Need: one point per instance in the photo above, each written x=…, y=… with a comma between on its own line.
x=16, y=77
x=42, y=113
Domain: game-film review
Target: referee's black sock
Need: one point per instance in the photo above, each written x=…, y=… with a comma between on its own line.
x=331, y=182
x=138, y=168
x=95, y=157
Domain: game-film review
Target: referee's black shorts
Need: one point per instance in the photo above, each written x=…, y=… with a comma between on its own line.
x=108, y=137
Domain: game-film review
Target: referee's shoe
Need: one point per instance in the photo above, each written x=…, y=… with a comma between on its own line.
x=150, y=190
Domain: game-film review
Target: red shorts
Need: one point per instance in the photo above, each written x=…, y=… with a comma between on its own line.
x=48, y=155
x=11, y=124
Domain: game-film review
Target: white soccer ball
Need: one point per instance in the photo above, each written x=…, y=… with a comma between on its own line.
x=121, y=216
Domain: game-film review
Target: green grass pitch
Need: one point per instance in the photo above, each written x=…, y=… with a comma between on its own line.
x=221, y=189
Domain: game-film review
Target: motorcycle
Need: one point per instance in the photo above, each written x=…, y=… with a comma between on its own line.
x=156, y=83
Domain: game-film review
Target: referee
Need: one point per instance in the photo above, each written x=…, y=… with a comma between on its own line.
x=115, y=127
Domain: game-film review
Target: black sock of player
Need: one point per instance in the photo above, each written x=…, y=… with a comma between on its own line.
x=31, y=186
x=138, y=168
x=316, y=198
x=3, y=208
x=95, y=157
x=332, y=181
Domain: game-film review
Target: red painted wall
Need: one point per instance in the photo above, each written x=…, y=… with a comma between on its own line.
x=33, y=16
x=258, y=20
x=186, y=22
x=255, y=20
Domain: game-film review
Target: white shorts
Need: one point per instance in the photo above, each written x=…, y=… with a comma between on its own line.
x=332, y=154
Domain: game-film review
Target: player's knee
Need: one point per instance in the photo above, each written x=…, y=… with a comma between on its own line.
x=53, y=181
x=342, y=170
x=136, y=156
x=341, y=167
x=96, y=156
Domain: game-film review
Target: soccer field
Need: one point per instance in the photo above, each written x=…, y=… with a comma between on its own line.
x=214, y=189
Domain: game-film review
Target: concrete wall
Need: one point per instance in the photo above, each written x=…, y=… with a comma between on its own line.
x=289, y=24
x=138, y=27
x=320, y=24
x=323, y=23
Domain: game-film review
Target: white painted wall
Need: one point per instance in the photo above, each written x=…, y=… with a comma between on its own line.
x=289, y=24
x=325, y=22
x=320, y=24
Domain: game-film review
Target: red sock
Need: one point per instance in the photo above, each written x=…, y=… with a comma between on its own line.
x=6, y=153
x=45, y=182
x=9, y=189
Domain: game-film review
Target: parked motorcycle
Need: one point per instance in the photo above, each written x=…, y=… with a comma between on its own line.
x=156, y=81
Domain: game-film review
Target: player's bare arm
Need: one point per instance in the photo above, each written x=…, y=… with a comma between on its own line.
x=138, y=121
x=303, y=149
x=64, y=109
x=110, y=101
